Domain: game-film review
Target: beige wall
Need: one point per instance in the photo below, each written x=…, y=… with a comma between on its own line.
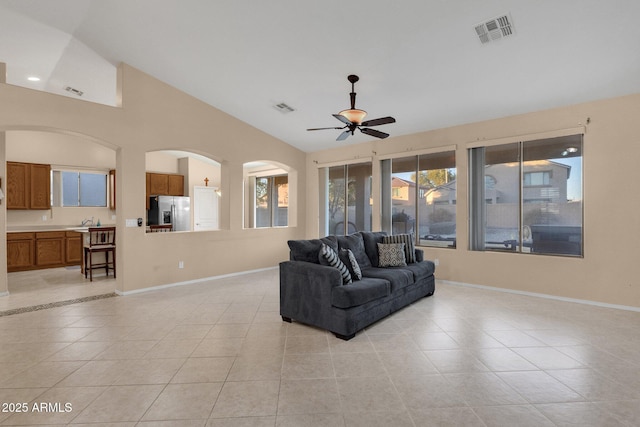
x=609, y=271
x=155, y=116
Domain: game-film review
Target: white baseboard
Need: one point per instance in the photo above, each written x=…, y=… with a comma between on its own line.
x=547, y=296
x=191, y=282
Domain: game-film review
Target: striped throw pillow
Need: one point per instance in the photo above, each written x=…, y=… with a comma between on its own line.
x=349, y=259
x=334, y=261
x=409, y=248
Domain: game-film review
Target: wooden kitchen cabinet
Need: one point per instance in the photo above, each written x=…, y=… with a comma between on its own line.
x=73, y=246
x=28, y=186
x=164, y=184
x=176, y=185
x=40, y=186
x=20, y=251
x=45, y=249
x=50, y=248
x=112, y=189
x=18, y=185
x=159, y=184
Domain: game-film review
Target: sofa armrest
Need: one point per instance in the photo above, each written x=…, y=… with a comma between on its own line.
x=305, y=291
x=419, y=255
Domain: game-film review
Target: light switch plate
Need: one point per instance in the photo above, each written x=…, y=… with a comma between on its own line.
x=132, y=222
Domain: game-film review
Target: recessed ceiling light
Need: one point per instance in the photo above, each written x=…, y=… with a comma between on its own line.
x=33, y=79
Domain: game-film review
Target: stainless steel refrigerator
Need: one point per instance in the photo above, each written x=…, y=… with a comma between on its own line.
x=172, y=210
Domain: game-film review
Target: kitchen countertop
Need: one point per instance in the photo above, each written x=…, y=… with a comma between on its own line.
x=37, y=228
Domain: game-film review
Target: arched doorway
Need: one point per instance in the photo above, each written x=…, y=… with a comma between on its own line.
x=55, y=274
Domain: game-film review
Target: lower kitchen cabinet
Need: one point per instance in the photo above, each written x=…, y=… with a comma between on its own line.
x=50, y=249
x=46, y=249
x=20, y=251
x=73, y=248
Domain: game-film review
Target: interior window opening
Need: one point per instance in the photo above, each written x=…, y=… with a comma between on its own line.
x=182, y=192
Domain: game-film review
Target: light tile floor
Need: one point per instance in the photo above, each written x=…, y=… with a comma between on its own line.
x=217, y=354
x=35, y=287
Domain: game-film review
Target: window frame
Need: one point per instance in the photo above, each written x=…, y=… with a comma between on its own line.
x=57, y=186
x=476, y=194
x=271, y=195
x=388, y=194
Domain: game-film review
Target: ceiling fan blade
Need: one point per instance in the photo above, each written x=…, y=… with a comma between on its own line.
x=343, y=135
x=378, y=122
x=327, y=128
x=374, y=132
x=343, y=119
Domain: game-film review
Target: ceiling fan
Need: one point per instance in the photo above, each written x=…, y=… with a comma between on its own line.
x=353, y=117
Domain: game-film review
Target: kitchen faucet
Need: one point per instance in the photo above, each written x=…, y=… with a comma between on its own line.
x=87, y=221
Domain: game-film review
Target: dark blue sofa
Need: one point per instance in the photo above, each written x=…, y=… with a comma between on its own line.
x=314, y=294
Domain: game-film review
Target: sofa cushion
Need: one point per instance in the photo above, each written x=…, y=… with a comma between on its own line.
x=371, y=240
x=360, y=292
x=347, y=257
x=409, y=246
x=309, y=250
x=391, y=255
x=397, y=276
x=334, y=261
x=356, y=244
x=420, y=270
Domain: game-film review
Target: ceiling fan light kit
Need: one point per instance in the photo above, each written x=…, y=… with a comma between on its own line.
x=353, y=118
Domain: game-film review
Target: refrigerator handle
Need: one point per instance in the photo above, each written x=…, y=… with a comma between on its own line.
x=173, y=216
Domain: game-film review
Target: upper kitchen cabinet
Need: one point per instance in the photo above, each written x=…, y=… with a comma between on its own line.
x=162, y=184
x=28, y=186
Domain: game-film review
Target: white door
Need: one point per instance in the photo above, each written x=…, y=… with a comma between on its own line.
x=205, y=208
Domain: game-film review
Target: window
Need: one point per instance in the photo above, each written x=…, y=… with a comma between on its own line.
x=79, y=189
x=346, y=204
x=423, y=198
x=533, y=201
x=272, y=201
x=532, y=179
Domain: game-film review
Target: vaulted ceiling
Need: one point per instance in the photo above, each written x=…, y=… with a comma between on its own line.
x=420, y=61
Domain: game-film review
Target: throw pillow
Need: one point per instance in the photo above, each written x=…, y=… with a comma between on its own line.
x=409, y=248
x=334, y=261
x=309, y=250
x=356, y=244
x=349, y=259
x=391, y=255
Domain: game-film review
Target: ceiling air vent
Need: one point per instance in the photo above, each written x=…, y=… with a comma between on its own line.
x=74, y=91
x=283, y=108
x=494, y=29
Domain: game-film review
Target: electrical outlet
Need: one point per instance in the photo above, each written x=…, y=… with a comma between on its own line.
x=436, y=261
x=44, y=217
x=180, y=264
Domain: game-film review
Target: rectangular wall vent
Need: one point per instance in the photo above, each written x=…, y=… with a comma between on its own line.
x=74, y=91
x=283, y=108
x=494, y=29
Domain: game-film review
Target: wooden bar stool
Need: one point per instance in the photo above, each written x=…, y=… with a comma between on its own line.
x=101, y=239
